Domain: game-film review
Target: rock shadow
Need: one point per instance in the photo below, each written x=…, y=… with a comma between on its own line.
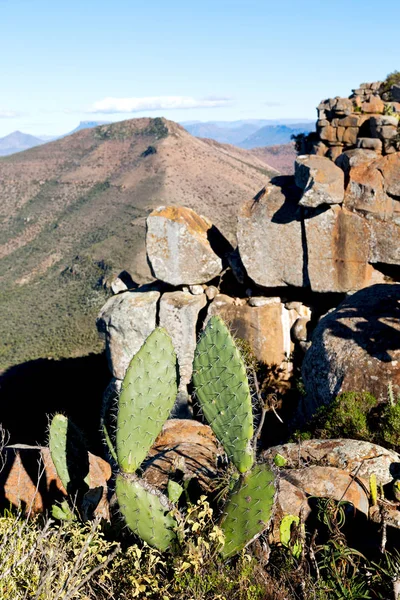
x=371, y=318
x=31, y=391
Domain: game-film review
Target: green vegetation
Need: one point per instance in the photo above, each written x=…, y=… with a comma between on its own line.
x=125, y=130
x=42, y=560
x=303, y=142
x=391, y=79
x=72, y=298
x=359, y=416
x=346, y=417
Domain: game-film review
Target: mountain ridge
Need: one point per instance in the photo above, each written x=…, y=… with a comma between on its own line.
x=73, y=216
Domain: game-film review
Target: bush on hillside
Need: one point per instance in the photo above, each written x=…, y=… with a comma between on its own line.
x=391, y=79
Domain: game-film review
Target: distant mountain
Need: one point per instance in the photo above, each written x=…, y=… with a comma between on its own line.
x=271, y=135
x=224, y=134
x=249, y=133
x=87, y=125
x=18, y=141
x=73, y=214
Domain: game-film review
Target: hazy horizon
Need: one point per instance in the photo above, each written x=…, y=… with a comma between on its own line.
x=210, y=61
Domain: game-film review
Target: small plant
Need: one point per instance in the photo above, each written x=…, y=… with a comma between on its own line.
x=347, y=416
x=303, y=142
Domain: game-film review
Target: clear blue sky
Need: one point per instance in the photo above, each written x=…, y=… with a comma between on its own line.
x=225, y=59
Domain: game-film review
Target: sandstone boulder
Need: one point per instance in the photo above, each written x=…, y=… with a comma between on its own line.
x=356, y=347
x=181, y=246
x=328, y=482
x=126, y=320
x=370, y=144
x=373, y=105
x=338, y=243
x=264, y=323
x=352, y=456
x=374, y=186
x=187, y=449
x=270, y=236
x=355, y=158
x=179, y=312
x=320, y=179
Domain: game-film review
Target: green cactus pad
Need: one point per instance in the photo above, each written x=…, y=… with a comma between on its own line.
x=146, y=512
x=174, y=491
x=249, y=509
x=69, y=454
x=220, y=380
x=148, y=394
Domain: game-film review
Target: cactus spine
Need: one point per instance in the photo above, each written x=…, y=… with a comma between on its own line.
x=220, y=380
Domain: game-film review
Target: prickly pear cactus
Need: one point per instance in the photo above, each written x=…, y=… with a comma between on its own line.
x=249, y=509
x=220, y=380
x=148, y=394
x=68, y=452
x=146, y=512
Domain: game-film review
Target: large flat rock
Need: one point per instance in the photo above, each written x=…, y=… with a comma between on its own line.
x=270, y=238
x=179, y=245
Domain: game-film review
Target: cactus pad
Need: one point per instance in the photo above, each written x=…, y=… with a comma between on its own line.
x=220, y=379
x=148, y=394
x=69, y=454
x=146, y=512
x=249, y=509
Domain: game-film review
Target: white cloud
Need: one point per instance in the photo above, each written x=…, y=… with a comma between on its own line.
x=8, y=114
x=131, y=105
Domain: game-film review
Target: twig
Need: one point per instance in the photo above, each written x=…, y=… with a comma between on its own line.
x=79, y=558
x=384, y=530
x=95, y=570
x=40, y=538
x=257, y=433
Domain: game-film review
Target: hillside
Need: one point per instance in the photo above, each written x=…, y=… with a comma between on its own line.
x=18, y=141
x=73, y=215
x=280, y=157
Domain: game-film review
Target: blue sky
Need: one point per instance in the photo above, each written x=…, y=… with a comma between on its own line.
x=67, y=61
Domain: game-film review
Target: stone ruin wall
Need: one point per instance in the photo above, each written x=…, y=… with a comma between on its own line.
x=367, y=119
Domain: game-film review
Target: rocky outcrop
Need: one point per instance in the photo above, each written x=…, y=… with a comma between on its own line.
x=179, y=246
x=185, y=449
x=337, y=251
x=355, y=348
x=358, y=121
